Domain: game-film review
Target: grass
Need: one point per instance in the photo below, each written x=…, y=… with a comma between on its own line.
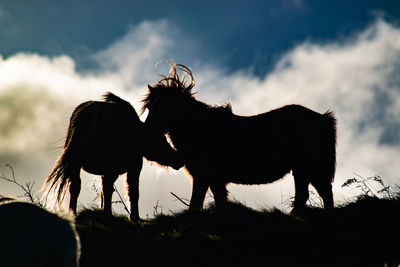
x=362, y=233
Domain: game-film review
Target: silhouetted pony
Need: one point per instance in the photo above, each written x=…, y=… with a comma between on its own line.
x=107, y=138
x=220, y=147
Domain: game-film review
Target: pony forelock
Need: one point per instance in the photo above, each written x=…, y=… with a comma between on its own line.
x=185, y=82
x=180, y=78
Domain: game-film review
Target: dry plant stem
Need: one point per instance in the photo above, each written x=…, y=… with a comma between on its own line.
x=121, y=200
x=27, y=188
x=183, y=202
x=367, y=188
x=155, y=209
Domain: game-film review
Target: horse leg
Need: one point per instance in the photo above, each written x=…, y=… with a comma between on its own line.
x=301, y=193
x=324, y=189
x=74, y=190
x=220, y=193
x=199, y=191
x=133, y=189
x=106, y=194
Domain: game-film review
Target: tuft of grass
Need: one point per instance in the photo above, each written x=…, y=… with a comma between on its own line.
x=372, y=186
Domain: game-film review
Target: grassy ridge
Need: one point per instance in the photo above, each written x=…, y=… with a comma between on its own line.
x=363, y=233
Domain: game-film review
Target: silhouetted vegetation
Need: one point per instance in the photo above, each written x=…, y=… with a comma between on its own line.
x=27, y=188
x=360, y=233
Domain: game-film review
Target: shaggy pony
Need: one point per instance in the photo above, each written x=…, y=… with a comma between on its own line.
x=107, y=138
x=220, y=147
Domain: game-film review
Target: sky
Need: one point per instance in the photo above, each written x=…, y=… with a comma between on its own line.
x=259, y=55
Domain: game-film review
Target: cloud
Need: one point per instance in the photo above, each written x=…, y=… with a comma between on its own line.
x=132, y=58
x=355, y=77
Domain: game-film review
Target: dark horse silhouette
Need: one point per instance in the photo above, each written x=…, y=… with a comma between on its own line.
x=220, y=147
x=107, y=138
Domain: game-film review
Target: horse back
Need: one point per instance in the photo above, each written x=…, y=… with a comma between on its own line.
x=282, y=128
x=107, y=134
x=270, y=143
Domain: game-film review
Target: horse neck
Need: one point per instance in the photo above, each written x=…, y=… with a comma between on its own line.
x=191, y=124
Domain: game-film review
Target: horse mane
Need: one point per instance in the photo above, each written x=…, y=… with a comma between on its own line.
x=185, y=82
x=224, y=107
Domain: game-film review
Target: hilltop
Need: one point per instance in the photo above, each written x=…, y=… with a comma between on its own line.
x=361, y=233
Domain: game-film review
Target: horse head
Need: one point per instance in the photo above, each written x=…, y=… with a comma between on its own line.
x=166, y=100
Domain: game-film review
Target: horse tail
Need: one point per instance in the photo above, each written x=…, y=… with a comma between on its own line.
x=59, y=179
x=329, y=128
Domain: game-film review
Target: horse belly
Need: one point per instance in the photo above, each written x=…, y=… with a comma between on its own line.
x=101, y=169
x=255, y=170
x=256, y=175
x=111, y=152
x=113, y=163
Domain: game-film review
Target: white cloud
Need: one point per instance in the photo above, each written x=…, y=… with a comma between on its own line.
x=131, y=59
x=38, y=94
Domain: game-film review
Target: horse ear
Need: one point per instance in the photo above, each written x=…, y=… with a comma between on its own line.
x=149, y=87
x=188, y=90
